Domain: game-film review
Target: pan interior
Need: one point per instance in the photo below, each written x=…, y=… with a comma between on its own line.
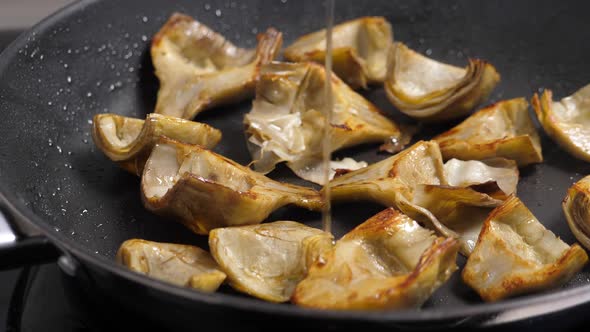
x=96, y=60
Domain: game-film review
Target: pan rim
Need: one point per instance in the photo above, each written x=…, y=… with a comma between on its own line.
x=558, y=299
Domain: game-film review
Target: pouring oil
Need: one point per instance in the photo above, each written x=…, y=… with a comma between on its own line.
x=326, y=140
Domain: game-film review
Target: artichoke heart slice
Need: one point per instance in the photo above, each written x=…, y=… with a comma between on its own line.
x=516, y=254
x=359, y=50
x=268, y=260
x=504, y=129
x=428, y=90
x=286, y=122
x=497, y=177
x=576, y=207
x=204, y=190
x=392, y=181
x=387, y=262
x=179, y=264
x=567, y=121
x=452, y=211
x=129, y=141
x=199, y=69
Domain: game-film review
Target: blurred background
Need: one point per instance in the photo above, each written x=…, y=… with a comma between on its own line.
x=20, y=14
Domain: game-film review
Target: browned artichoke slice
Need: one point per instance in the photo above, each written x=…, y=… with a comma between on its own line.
x=576, y=206
x=359, y=50
x=199, y=69
x=452, y=211
x=129, y=141
x=428, y=90
x=497, y=177
x=204, y=190
x=286, y=122
x=387, y=262
x=567, y=121
x=268, y=260
x=178, y=264
x=515, y=254
x=504, y=129
x=392, y=181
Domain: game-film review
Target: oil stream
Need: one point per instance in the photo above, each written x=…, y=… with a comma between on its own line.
x=326, y=146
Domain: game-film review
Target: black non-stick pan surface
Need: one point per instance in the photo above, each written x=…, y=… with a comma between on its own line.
x=93, y=57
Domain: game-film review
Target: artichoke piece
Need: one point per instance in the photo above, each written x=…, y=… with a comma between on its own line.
x=129, y=141
x=567, y=121
x=359, y=50
x=515, y=254
x=387, y=262
x=286, y=121
x=452, y=211
x=204, y=190
x=504, y=129
x=268, y=260
x=576, y=206
x=178, y=264
x=497, y=177
x=391, y=182
x=431, y=91
x=199, y=69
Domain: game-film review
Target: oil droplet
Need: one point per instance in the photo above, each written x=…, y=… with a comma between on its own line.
x=144, y=19
x=58, y=149
x=428, y=52
x=207, y=6
x=89, y=94
x=218, y=12
x=144, y=38
x=69, y=79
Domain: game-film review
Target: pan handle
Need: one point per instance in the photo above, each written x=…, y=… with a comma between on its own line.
x=21, y=243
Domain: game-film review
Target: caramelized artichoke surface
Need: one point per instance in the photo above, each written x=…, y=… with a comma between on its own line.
x=178, y=264
x=432, y=91
x=204, y=190
x=457, y=212
x=516, y=254
x=359, y=50
x=387, y=262
x=129, y=141
x=199, y=69
x=392, y=180
x=496, y=177
x=268, y=260
x=576, y=207
x=503, y=129
x=286, y=123
x=567, y=121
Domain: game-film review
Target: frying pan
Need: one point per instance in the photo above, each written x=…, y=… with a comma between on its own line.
x=63, y=198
